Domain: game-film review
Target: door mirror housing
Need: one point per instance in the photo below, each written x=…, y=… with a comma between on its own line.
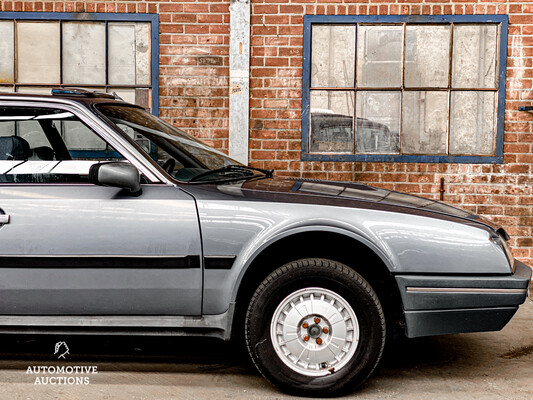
x=117, y=174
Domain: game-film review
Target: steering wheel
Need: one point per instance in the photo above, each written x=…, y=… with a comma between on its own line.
x=169, y=165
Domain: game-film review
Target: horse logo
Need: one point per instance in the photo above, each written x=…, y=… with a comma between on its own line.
x=61, y=349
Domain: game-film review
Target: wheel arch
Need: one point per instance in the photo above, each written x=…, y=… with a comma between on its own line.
x=320, y=242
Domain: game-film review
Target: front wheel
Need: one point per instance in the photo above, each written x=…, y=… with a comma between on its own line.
x=315, y=327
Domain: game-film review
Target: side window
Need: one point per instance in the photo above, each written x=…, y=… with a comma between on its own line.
x=45, y=145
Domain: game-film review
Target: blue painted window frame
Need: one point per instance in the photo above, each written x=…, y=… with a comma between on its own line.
x=106, y=17
x=309, y=20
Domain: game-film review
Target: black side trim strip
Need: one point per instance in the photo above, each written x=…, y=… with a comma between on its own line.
x=219, y=262
x=171, y=262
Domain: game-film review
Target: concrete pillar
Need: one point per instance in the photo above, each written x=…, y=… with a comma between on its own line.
x=239, y=79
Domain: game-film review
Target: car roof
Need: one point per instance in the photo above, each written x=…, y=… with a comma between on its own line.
x=83, y=99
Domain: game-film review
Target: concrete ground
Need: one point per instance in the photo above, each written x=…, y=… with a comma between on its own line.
x=496, y=365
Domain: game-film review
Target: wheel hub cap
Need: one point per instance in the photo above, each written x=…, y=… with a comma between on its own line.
x=314, y=331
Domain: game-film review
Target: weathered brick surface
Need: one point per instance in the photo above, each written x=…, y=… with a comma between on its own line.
x=194, y=46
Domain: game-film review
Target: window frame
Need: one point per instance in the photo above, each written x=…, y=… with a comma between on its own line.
x=153, y=19
x=309, y=20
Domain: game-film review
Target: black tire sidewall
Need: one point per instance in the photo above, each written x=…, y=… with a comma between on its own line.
x=323, y=274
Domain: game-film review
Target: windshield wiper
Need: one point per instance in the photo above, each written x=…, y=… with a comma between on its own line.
x=234, y=168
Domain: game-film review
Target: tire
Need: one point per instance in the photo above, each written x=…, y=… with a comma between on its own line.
x=289, y=342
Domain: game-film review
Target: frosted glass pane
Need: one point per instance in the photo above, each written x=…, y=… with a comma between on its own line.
x=331, y=121
x=84, y=52
x=333, y=56
x=425, y=122
x=142, y=53
x=475, y=56
x=379, y=56
x=38, y=52
x=7, y=50
x=121, y=42
x=427, y=56
x=378, y=122
x=34, y=90
x=472, y=125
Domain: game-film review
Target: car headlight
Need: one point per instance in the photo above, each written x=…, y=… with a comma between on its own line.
x=500, y=241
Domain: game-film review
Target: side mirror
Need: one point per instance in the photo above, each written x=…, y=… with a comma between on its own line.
x=117, y=174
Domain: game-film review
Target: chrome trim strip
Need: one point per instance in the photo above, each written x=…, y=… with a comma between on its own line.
x=463, y=290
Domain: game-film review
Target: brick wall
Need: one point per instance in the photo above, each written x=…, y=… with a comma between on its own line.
x=194, y=46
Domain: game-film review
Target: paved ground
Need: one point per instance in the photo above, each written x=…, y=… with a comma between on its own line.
x=496, y=365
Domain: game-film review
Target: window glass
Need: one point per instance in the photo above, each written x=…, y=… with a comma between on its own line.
x=423, y=87
x=7, y=50
x=378, y=122
x=427, y=55
x=38, y=52
x=121, y=53
x=104, y=55
x=333, y=57
x=44, y=145
x=179, y=154
x=379, y=55
x=84, y=52
x=424, y=122
x=472, y=122
x=475, y=56
x=331, y=121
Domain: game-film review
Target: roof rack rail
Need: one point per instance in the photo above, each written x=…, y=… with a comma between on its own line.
x=74, y=91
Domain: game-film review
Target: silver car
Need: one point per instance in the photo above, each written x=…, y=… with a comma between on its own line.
x=112, y=221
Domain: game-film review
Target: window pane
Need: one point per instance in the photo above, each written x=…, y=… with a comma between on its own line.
x=34, y=90
x=43, y=145
x=78, y=137
x=425, y=122
x=38, y=52
x=472, y=125
x=378, y=122
x=84, y=52
x=475, y=56
x=333, y=56
x=7, y=40
x=379, y=56
x=331, y=115
x=32, y=133
x=121, y=54
x=142, y=53
x=427, y=56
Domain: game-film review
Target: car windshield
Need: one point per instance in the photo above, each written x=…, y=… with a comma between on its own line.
x=182, y=156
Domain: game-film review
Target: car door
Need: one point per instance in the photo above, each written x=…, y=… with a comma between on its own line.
x=68, y=247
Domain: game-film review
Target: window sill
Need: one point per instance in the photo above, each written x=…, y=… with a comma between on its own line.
x=407, y=158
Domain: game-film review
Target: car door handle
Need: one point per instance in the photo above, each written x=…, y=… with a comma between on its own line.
x=4, y=219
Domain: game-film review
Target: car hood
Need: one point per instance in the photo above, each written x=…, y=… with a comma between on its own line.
x=343, y=194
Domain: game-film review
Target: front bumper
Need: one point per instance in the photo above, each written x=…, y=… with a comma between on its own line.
x=438, y=305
